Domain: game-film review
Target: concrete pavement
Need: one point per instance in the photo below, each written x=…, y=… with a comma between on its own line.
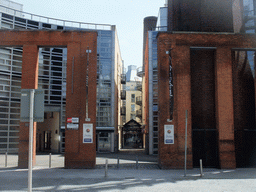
x=126, y=178
x=57, y=179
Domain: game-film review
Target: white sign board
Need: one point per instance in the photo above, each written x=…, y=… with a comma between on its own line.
x=72, y=126
x=87, y=133
x=168, y=134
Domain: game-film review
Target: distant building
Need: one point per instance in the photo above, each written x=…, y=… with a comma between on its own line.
x=132, y=96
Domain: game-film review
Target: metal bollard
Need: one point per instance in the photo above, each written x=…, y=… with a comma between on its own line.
x=6, y=159
x=50, y=160
x=137, y=162
x=106, y=168
x=201, y=168
x=117, y=162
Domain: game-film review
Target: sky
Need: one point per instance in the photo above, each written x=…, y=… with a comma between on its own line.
x=127, y=15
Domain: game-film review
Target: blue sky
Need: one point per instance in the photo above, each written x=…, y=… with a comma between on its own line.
x=127, y=15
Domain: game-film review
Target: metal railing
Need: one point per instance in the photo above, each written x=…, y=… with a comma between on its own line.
x=140, y=71
x=49, y=20
x=139, y=100
x=139, y=113
x=123, y=94
x=139, y=86
x=123, y=78
x=123, y=110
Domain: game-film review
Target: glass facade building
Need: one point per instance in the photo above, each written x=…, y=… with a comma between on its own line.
x=153, y=93
x=52, y=79
x=153, y=79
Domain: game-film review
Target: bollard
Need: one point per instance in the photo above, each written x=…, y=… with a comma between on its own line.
x=117, y=162
x=137, y=162
x=201, y=168
x=50, y=160
x=6, y=159
x=106, y=168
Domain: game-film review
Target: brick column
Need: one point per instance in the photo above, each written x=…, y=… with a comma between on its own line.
x=29, y=80
x=172, y=155
x=77, y=153
x=224, y=108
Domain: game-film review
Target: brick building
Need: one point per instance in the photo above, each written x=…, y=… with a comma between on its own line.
x=202, y=64
x=52, y=78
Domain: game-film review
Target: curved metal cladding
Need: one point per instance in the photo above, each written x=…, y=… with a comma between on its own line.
x=149, y=25
x=52, y=73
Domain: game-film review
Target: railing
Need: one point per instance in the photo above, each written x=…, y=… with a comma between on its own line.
x=140, y=71
x=123, y=110
x=123, y=94
x=139, y=100
x=65, y=23
x=123, y=78
x=139, y=113
x=139, y=86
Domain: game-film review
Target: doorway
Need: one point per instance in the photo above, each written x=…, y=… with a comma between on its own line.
x=103, y=144
x=244, y=107
x=48, y=134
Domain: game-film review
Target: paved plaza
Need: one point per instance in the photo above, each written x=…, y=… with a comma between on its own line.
x=146, y=176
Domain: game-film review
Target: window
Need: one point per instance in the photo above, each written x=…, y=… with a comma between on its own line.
x=132, y=108
x=133, y=98
x=133, y=116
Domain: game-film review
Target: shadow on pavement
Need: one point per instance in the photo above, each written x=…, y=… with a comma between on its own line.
x=95, y=180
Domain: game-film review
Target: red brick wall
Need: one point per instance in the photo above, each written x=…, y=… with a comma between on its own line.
x=29, y=80
x=77, y=155
x=172, y=156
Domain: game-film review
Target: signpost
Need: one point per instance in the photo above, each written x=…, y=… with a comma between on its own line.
x=32, y=109
x=186, y=137
x=87, y=82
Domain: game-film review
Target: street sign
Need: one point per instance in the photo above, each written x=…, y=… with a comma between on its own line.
x=72, y=126
x=38, y=114
x=73, y=120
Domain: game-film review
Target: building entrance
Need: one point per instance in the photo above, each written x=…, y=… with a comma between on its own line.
x=48, y=136
x=244, y=108
x=103, y=142
x=132, y=136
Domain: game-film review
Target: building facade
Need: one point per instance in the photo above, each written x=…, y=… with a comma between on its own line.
x=188, y=78
x=52, y=79
x=132, y=100
x=150, y=78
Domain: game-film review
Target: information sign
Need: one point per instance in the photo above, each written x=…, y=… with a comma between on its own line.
x=168, y=134
x=72, y=126
x=73, y=120
x=87, y=133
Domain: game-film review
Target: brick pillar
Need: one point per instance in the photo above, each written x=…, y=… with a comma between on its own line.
x=29, y=80
x=172, y=155
x=77, y=153
x=224, y=108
